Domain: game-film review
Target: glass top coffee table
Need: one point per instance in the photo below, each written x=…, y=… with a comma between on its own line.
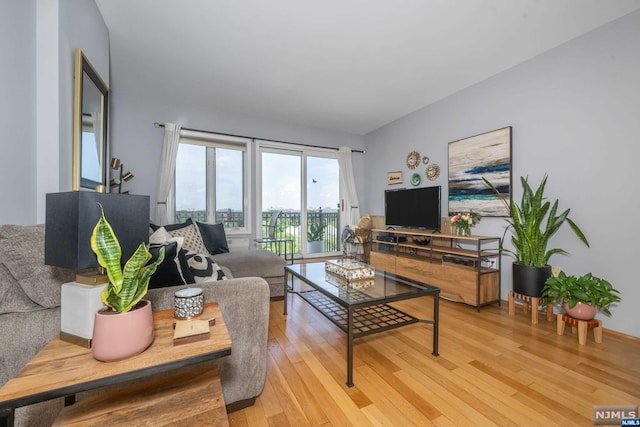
x=359, y=307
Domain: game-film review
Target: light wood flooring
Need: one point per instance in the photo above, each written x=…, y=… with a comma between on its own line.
x=492, y=370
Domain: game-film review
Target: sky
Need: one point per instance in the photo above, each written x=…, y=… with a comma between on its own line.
x=281, y=180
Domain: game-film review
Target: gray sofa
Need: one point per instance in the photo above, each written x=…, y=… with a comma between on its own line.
x=30, y=317
x=259, y=263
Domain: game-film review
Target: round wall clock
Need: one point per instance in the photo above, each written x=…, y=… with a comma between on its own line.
x=413, y=160
x=415, y=179
x=433, y=171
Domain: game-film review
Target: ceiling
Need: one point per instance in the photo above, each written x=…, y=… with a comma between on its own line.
x=346, y=65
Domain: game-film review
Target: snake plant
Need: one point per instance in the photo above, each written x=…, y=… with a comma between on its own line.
x=533, y=222
x=126, y=286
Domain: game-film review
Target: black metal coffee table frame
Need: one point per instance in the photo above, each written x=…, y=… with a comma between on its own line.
x=363, y=314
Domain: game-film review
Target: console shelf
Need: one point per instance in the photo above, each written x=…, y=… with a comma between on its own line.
x=465, y=268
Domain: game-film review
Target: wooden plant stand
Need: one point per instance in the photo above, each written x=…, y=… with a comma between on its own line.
x=582, y=326
x=535, y=303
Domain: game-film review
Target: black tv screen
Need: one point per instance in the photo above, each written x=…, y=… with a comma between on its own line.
x=413, y=208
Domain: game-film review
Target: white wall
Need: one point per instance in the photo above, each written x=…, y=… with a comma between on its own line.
x=575, y=115
x=17, y=111
x=138, y=143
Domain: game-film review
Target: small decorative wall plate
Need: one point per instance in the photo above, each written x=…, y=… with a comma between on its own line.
x=413, y=160
x=433, y=171
x=415, y=179
x=425, y=160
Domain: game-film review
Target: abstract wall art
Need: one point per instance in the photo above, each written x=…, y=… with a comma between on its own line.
x=486, y=155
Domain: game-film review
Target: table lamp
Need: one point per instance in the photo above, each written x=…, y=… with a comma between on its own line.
x=70, y=219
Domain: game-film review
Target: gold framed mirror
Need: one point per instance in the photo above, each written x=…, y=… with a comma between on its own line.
x=90, y=126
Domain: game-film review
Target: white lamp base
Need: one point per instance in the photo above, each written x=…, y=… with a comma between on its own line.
x=77, y=312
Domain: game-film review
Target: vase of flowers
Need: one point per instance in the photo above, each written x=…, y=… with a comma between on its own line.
x=463, y=221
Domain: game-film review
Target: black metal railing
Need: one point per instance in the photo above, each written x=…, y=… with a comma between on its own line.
x=325, y=223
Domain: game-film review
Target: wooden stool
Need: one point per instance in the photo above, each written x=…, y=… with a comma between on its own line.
x=535, y=303
x=582, y=325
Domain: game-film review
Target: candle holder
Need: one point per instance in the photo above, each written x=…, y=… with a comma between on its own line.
x=189, y=303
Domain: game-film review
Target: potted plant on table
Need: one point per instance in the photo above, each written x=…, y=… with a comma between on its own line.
x=581, y=296
x=533, y=222
x=125, y=326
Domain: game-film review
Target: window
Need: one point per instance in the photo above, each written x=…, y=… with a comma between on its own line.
x=211, y=180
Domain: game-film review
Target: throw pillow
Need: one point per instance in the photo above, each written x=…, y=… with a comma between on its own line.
x=204, y=268
x=192, y=240
x=171, y=227
x=161, y=235
x=12, y=297
x=22, y=252
x=173, y=270
x=213, y=237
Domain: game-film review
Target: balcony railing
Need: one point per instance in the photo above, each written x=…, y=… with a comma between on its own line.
x=287, y=226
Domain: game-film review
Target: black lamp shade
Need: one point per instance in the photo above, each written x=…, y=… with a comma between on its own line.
x=72, y=216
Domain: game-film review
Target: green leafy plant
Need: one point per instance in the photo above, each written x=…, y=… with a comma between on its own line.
x=587, y=289
x=315, y=232
x=126, y=285
x=533, y=222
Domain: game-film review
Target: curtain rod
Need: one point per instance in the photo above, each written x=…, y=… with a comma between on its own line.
x=161, y=125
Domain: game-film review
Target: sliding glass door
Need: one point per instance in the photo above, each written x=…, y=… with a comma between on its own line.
x=302, y=188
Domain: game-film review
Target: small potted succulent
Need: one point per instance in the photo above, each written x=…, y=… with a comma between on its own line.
x=581, y=296
x=125, y=326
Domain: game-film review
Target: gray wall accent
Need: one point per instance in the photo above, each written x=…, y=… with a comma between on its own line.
x=575, y=115
x=37, y=40
x=18, y=112
x=81, y=25
x=138, y=143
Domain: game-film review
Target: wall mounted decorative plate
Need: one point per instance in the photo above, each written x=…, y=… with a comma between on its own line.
x=415, y=179
x=425, y=160
x=413, y=160
x=433, y=171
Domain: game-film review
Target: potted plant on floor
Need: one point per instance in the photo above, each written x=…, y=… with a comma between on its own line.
x=581, y=296
x=533, y=222
x=315, y=237
x=125, y=326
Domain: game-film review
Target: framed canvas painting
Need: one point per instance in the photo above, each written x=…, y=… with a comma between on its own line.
x=486, y=155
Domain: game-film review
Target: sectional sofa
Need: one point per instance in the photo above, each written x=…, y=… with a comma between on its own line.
x=30, y=314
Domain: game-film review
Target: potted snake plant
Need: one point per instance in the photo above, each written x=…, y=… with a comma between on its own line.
x=533, y=222
x=124, y=327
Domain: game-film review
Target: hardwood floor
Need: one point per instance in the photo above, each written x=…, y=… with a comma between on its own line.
x=492, y=370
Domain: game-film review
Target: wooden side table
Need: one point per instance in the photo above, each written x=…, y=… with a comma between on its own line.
x=62, y=369
x=190, y=396
x=582, y=327
x=535, y=303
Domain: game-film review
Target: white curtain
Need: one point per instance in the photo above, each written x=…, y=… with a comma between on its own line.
x=350, y=212
x=167, y=170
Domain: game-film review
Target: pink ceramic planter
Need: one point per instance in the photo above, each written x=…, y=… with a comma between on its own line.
x=581, y=311
x=117, y=336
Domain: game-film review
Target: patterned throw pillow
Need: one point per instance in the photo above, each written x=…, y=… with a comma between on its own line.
x=204, y=268
x=174, y=269
x=192, y=240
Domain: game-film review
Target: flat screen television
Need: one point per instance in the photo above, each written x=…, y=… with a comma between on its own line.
x=413, y=208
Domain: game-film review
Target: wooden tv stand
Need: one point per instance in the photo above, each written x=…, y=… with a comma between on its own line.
x=465, y=268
